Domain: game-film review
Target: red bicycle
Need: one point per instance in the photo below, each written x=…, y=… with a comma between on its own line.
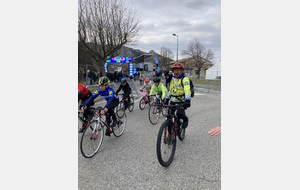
x=166, y=139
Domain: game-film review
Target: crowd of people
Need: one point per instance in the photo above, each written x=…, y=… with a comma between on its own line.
x=176, y=85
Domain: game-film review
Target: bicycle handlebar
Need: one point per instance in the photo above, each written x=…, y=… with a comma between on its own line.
x=179, y=106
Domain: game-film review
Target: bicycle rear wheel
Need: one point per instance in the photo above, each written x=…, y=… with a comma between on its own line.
x=165, y=147
x=119, y=129
x=153, y=113
x=131, y=105
x=120, y=109
x=91, y=139
x=142, y=104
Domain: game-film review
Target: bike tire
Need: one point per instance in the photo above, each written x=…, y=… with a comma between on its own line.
x=131, y=105
x=165, y=111
x=120, y=111
x=153, y=113
x=119, y=129
x=91, y=143
x=165, y=149
x=142, y=105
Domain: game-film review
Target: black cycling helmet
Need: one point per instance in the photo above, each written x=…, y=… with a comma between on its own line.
x=156, y=80
x=103, y=81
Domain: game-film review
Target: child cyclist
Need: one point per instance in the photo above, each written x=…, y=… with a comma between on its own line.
x=159, y=88
x=107, y=93
x=127, y=91
x=83, y=95
x=147, y=86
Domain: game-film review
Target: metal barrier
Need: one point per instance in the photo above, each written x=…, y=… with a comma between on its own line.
x=134, y=90
x=207, y=85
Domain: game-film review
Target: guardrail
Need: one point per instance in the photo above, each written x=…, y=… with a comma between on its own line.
x=207, y=85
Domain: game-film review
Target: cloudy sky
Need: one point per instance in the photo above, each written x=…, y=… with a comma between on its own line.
x=189, y=19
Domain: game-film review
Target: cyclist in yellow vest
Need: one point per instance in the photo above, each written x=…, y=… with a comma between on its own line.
x=177, y=90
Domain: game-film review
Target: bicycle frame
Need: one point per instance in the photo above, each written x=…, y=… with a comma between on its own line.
x=145, y=96
x=99, y=119
x=173, y=117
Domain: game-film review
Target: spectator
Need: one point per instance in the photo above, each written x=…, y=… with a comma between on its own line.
x=91, y=75
x=120, y=75
x=96, y=77
x=115, y=76
x=166, y=74
x=112, y=76
x=158, y=74
x=168, y=79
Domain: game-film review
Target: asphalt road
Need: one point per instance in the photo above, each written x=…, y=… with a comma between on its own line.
x=130, y=161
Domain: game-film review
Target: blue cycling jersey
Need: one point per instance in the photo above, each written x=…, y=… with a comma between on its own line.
x=108, y=94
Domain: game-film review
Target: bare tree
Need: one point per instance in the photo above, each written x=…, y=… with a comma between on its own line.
x=201, y=57
x=166, y=56
x=104, y=26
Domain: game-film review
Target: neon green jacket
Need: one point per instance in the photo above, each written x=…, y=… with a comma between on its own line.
x=177, y=90
x=160, y=89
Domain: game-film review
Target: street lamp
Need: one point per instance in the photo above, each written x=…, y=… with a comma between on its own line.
x=177, y=45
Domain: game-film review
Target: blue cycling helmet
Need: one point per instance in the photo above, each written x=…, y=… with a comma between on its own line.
x=123, y=80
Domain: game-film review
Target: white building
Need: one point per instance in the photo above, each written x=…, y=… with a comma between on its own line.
x=214, y=71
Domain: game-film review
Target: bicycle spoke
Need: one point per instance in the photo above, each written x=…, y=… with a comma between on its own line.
x=90, y=141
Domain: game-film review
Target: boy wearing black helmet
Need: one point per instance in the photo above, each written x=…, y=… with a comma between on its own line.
x=159, y=88
x=127, y=91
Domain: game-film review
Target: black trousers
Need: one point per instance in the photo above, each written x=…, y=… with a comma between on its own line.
x=180, y=113
x=111, y=112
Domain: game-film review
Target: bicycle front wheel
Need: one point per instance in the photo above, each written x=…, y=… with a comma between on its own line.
x=153, y=113
x=91, y=139
x=142, y=104
x=131, y=105
x=165, y=145
x=119, y=129
x=165, y=111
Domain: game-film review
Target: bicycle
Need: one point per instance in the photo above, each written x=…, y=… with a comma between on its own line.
x=145, y=100
x=121, y=105
x=156, y=107
x=166, y=139
x=92, y=136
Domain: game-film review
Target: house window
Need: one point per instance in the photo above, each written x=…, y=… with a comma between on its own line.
x=187, y=72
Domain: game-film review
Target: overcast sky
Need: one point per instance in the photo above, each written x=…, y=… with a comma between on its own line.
x=189, y=19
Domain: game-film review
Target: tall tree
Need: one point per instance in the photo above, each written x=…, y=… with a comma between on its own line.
x=104, y=26
x=201, y=57
x=166, y=56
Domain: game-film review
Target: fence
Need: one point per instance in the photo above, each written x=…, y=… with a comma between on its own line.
x=207, y=85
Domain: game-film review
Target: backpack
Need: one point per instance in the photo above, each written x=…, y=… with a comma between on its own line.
x=191, y=86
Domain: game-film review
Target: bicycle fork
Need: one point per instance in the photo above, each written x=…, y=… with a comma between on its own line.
x=170, y=130
x=96, y=128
